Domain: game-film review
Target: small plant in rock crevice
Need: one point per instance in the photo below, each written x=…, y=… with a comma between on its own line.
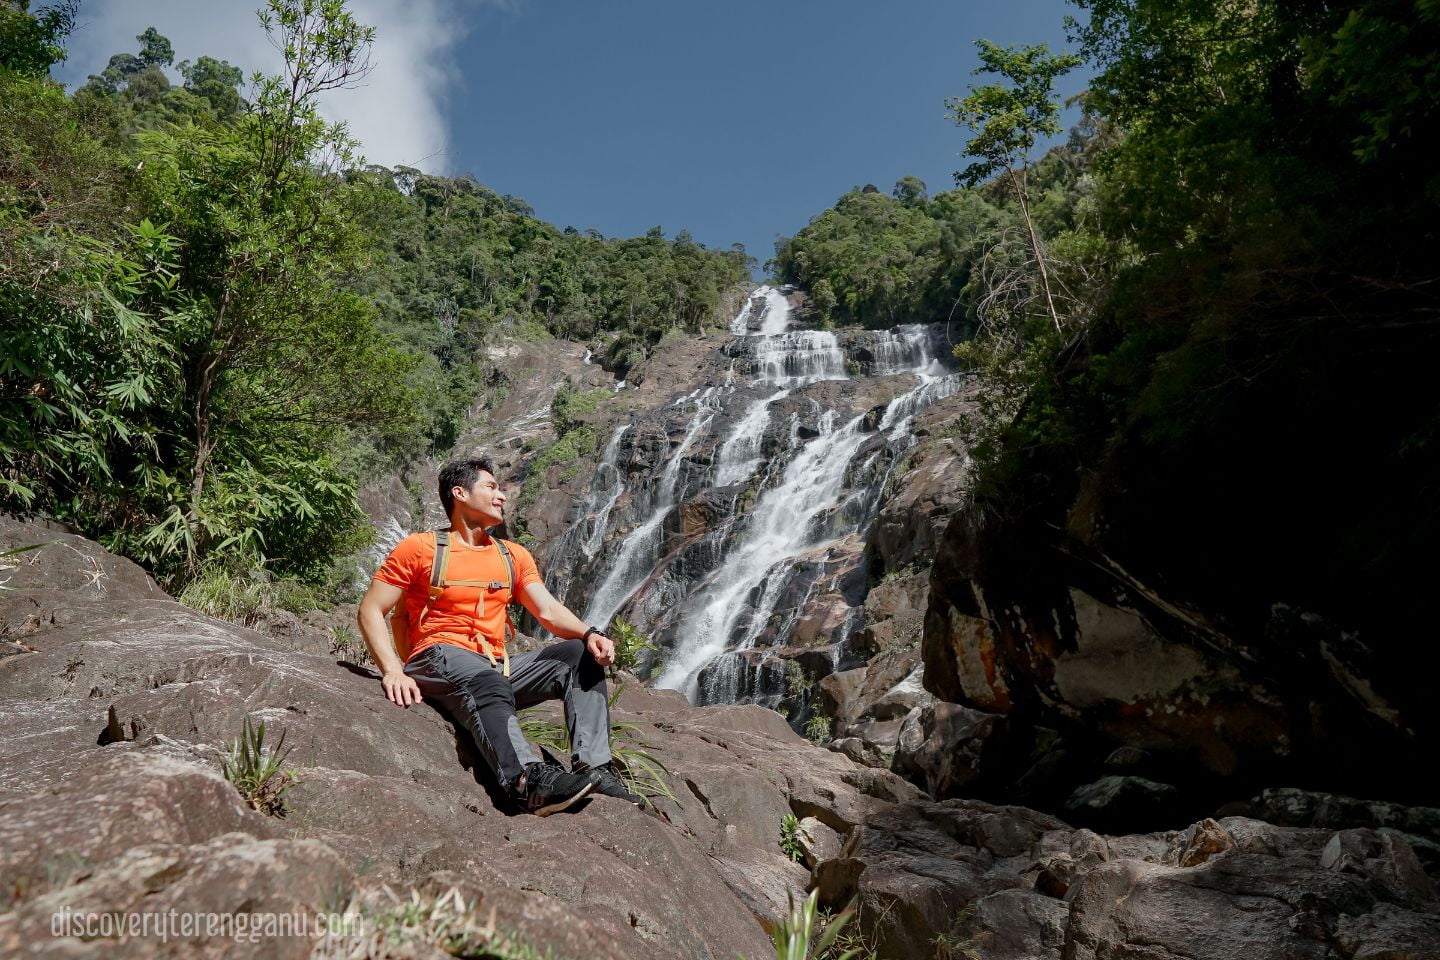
x=951, y=945
x=345, y=644
x=790, y=844
x=631, y=646
x=798, y=681
x=258, y=773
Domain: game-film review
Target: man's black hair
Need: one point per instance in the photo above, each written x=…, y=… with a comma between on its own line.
x=461, y=473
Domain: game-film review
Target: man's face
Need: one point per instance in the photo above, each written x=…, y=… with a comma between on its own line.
x=484, y=501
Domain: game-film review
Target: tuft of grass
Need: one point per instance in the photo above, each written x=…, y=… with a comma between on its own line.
x=542, y=729
x=260, y=775
x=801, y=935
x=387, y=925
x=818, y=729
x=641, y=770
x=790, y=844
x=951, y=945
x=244, y=596
x=346, y=644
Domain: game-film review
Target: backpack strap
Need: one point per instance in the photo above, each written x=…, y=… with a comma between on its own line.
x=510, y=593
x=439, y=565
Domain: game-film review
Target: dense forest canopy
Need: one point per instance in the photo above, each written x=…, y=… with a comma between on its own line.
x=217, y=318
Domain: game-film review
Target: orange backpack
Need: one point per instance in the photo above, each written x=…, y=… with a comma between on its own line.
x=400, y=618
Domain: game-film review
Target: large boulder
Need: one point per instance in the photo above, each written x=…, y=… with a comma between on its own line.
x=982, y=880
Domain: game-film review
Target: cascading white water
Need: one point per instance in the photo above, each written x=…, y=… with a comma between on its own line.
x=904, y=407
x=905, y=349
x=781, y=529
x=767, y=305
x=607, y=486
x=776, y=318
x=630, y=568
x=800, y=357
x=740, y=453
x=778, y=531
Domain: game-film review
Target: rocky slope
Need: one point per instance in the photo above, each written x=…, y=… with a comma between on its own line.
x=118, y=703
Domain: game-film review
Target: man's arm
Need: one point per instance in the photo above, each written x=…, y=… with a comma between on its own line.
x=557, y=618
x=379, y=600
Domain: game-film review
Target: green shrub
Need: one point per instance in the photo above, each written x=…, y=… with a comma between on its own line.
x=630, y=646
x=818, y=729
x=798, y=681
x=243, y=595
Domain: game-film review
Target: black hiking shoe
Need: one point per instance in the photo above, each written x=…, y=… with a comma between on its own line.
x=608, y=782
x=545, y=788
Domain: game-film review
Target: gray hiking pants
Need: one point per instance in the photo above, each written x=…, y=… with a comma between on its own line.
x=483, y=700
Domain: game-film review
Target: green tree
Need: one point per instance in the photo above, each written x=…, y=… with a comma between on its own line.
x=910, y=191
x=126, y=69
x=270, y=349
x=217, y=82
x=30, y=44
x=1007, y=121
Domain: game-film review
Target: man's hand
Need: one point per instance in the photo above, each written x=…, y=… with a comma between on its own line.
x=602, y=648
x=400, y=689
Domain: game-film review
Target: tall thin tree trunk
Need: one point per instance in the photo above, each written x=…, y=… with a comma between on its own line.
x=1017, y=180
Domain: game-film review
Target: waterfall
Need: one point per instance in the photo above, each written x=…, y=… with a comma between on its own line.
x=731, y=608
x=607, y=485
x=740, y=453
x=797, y=358
x=905, y=349
x=779, y=465
x=776, y=318
x=637, y=555
x=768, y=310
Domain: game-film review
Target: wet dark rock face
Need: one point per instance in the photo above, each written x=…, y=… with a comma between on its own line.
x=1068, y=644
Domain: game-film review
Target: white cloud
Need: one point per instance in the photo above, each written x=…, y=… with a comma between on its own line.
x=397, y=113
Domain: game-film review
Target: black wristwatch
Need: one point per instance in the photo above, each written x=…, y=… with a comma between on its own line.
x=588, y=631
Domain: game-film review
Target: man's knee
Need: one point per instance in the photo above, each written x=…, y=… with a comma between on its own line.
x=569, y=652
x=488, y=685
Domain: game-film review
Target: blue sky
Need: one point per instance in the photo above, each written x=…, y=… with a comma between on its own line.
x=738, y=121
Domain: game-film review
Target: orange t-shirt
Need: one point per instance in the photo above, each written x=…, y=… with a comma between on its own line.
x=469, y=617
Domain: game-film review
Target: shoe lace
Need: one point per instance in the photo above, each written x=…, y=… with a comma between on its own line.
x=541, y=777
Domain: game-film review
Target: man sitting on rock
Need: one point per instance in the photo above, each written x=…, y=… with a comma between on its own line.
x=458, y=658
